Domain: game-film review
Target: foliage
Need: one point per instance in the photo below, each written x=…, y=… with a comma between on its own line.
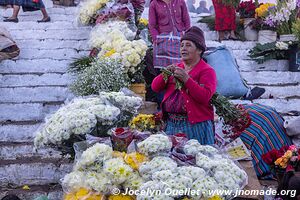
x=274, y=50
x=80, y=64
x=234, y=3
x=296, y=29
x=103, y=74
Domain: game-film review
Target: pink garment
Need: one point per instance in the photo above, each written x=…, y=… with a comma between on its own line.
x=197, y=91
x=160, y=20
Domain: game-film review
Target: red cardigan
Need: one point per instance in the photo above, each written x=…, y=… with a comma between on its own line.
x=197, y=91
x=160, y=20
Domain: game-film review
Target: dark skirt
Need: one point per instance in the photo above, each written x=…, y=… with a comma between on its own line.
x=27, y=5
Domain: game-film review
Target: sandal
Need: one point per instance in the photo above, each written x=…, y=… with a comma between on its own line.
x=15, y=20
x=233, y=38
x=48, y=19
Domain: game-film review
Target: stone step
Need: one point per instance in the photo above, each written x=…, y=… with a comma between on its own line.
x=55, y=25
x=50, y=34
x=210, y=35
x=33, y=172
x=22, y=132
x=52, y=191
x=34, y=94
x=271, y=78
x=270, y=65
x=34, y=80
x=14, y=151
x=290, y=92
x=50, y=9
x=26, y=112
x=283, y=106
x=55, y=44
x=58, y=54
x=54, y=17
x=34, y=66
x=234, y=45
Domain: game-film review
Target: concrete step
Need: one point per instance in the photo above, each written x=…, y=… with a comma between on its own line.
x=33, y=172
x=51, y=10
x=234, y=45
x=271, y=78
x=54, y=25
x=270, y=65
x=38, y=15
x=24, y=80
x=19, y=132
x=50, y=34
x=46, y=65
x=15, y=150
x=58, y=54
x=52, y=191
x=34, y=94
x=26, y=112
x=55, y=44
x=290, y=92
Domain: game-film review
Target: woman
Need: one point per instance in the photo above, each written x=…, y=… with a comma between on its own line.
x=225, y=20
x=27, y=5
x=189, y=110
x=168, y=19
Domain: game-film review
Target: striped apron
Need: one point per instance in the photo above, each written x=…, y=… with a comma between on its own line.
x=265, y=133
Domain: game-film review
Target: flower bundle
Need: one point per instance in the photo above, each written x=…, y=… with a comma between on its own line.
x=102, y=75
x=88, y=10
x=143, y=122
x=287, y=158
x=247, y=9
x=155, y=144
x=274, y=50
x=283, y=16
x=260, y=15
x=263, y=9
x=76, y=119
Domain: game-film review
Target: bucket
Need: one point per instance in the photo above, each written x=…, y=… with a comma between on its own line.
x=287, y=38
x=250, y=34
x=294, y=58
x=266, y=36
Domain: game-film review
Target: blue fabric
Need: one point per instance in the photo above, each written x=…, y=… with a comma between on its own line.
x=265, y=133
x=230, y=83
x=202, y=131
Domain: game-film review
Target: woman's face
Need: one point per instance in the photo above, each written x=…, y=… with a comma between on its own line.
x=189, y=51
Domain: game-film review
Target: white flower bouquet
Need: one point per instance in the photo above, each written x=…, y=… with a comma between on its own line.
x=88, y=11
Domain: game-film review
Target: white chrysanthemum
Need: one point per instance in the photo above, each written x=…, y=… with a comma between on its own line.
x=74, y=181
x=134, y=182
x=94, y=155
x=154, y=144
x=192, y=172
x=98, y=182
x=163, y=175
x=117, y=170
x=205, y=185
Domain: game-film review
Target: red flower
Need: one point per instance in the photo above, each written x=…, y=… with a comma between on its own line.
x=178, y=139
x=119, y=131
x=271, y=156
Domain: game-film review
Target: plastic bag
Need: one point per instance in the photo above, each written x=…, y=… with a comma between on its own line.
x=123, y=12
x=121, y=138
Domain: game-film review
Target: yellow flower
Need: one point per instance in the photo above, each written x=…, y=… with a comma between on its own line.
x=134, y=160
x=143, y=122
x=278, y=161
x=70, y=196
x=26, y=187
x=216, y=197
x=120, y=197
x=288, y=154
x=110, y=53
x=143, y=21
x=118, y=154
x=82, y=192
x=95, y=196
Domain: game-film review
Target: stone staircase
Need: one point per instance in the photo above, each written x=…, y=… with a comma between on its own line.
x=35, y=85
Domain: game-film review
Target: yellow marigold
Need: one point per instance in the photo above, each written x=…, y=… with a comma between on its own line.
x=216, y=197
x=120, y=197
x=288, y=154
x=95, y=196
x=110, y=53
x=135, y=159
x=118, y=154
x=82, y=192
x=143, y=21
x=142, y=122
x=278, y=161
x=262, y=10
x=70, y=196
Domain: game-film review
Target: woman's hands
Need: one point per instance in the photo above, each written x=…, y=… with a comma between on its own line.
x=181, y=74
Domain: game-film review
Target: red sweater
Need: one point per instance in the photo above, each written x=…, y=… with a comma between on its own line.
x=197, y=91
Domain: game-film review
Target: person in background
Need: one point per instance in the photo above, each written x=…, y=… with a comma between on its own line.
x=188, y=110
x=225, y=20
x=27, y=5
x=211, y=9
x=202, y=8
x=190, y=6
x=168, y=19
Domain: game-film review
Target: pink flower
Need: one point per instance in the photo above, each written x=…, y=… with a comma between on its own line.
x=292, y=148
x=294, y=158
